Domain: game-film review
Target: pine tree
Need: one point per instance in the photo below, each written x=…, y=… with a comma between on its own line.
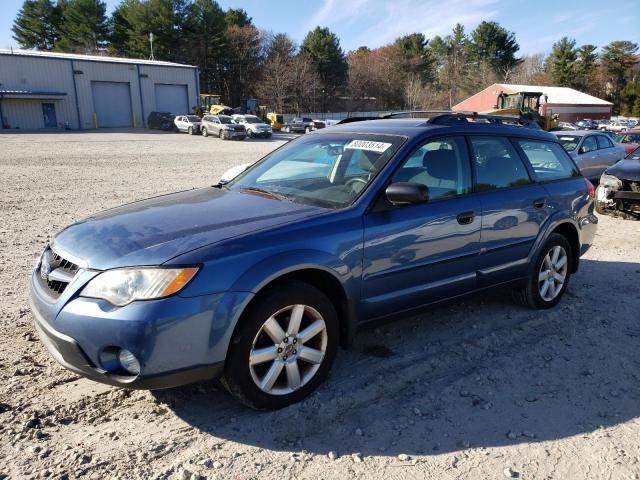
x=562, y=62
x=84, y=26
x=36, y=25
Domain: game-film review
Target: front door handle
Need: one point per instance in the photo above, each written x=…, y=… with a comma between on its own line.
x=539, y=203
x=465, y=218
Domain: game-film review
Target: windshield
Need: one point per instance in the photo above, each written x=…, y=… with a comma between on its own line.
x=629, y=138
x=224, y=119
x=569, y=142
x=635, y=155
x=323, y=170
x=252, y=119
x=193, y=118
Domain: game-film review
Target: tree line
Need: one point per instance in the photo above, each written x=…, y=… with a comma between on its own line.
x=238, y=60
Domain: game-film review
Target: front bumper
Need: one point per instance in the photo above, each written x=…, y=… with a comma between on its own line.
x=177, y=340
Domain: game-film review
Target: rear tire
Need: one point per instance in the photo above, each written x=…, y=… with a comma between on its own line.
x=283, y=347
x=549, y=276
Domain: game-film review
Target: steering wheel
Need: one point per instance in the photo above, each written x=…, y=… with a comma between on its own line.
x=351, y=183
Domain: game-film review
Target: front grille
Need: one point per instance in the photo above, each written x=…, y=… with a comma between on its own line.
x=55, y=273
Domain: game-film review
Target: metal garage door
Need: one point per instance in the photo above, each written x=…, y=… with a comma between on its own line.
x=112, y=103
x=172, y=98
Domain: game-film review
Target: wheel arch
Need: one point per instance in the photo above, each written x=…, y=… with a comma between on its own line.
x=570, y=232
x=324, y=279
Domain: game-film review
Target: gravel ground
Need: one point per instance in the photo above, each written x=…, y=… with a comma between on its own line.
x=476, y=389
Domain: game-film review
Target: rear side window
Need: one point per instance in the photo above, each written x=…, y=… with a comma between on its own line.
x=604, y=142
x=497, y=164
x=548, y=160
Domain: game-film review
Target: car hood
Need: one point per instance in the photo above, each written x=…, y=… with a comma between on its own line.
x=151, y=232
x=259, y=125
x=626, y=170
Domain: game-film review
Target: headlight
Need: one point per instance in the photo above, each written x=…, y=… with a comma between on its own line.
x=124, y=285
x=609, y=181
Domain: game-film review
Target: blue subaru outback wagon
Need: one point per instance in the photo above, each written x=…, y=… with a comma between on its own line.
x=258, y=280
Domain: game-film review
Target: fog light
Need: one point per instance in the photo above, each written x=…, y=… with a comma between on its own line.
x=129, y=362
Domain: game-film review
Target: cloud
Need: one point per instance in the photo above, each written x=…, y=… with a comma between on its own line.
x=378, y=22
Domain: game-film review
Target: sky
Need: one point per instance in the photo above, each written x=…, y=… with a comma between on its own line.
x=536, y=23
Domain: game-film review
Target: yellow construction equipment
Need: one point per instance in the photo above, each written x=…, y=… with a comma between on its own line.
x=276, y=120
x=526, y=106
x=212, y=103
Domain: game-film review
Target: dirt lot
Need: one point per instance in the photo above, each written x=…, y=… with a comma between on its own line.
x=479, y=389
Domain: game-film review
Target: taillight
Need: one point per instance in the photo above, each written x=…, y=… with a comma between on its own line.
x=590, y=188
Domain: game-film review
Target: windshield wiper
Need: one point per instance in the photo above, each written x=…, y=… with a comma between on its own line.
x=262, y=191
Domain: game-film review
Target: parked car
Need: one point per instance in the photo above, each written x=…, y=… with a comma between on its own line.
x=254, y=125
x=593, y=152
x=614, y=126
x=632, y=122
x=258, y=280
x=568, y=126
x=161, y=120
x=303, y=125
x=629, y=139
x=188, y=123
x=222, y=126
x=587, y=124
x=619, y=188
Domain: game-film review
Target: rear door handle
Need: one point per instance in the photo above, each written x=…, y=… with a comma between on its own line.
x=539, y=203
x=465, y=218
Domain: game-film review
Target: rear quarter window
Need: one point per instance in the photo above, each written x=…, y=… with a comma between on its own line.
x=548, y=160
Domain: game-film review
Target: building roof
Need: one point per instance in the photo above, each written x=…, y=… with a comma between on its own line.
x=89, y=58
x=557, y=95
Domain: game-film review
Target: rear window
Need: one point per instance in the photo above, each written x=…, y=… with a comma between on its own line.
x=548, y=160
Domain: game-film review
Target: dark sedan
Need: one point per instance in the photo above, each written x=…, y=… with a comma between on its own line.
x=619, y=189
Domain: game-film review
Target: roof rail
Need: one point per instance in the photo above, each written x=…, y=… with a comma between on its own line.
x=413, y=113
x=447, y=117
x=454, y=117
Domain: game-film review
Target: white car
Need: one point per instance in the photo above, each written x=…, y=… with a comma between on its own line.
x=254, y=125
x=616, y=126
x=188, y=123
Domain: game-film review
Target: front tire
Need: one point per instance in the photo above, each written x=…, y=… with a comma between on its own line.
x=307, y=130
x=190, y=131
x=205, y=132
x=550, y=275
x=283, y=347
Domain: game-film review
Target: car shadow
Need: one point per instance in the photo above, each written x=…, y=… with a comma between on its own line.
x=477, y=372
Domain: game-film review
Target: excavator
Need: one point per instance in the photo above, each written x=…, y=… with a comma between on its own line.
x=526, y=106
x=212, y=103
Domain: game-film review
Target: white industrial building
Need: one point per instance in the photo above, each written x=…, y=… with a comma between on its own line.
x=44, y=90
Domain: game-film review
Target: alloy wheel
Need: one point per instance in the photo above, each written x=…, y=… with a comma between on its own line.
x=288, y=349
x=553, y=273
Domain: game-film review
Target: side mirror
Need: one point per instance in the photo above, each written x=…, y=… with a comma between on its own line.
x=582, y=150
x=407, y=193
x=233, y=172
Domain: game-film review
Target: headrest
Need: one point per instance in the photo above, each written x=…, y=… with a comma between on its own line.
x=441, y=164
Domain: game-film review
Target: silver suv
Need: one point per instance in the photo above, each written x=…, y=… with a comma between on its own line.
x=222, y=126
x=254, y=125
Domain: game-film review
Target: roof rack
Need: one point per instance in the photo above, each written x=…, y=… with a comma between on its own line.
x=448, y=117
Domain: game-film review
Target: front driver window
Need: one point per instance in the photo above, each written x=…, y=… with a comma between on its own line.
x=442, y=165
x=589, y=144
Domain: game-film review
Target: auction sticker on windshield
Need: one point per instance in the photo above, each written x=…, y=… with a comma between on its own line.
x=378, y=147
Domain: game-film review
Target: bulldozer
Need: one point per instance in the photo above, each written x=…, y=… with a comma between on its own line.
x=212, y=103
x=526, y=106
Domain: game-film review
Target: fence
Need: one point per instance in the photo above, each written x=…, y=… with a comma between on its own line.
x=333, y=115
